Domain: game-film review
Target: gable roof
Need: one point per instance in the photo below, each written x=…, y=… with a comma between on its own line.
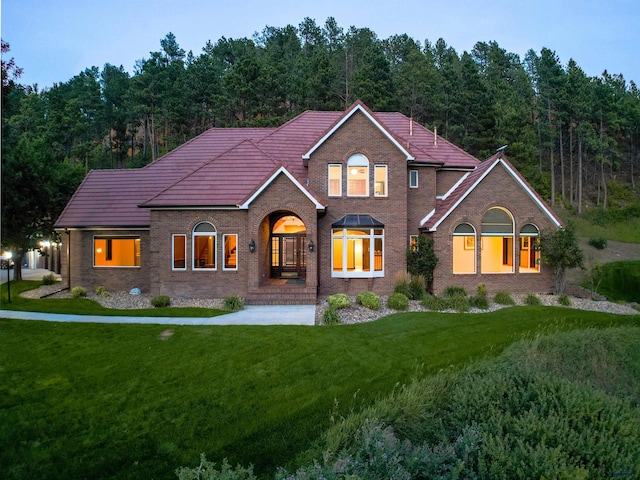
x=448, y=202
x=224, y=167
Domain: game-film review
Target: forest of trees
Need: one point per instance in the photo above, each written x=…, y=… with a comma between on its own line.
x=571, y=135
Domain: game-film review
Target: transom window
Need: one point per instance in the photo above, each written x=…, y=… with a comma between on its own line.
x=358, y=252
x=358, y=176
x=116, y=251
x=464, y=249
x=497, y=241
x=529, y=254
x=204, y=246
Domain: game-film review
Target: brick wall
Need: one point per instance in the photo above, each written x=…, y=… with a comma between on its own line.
x=498, y=189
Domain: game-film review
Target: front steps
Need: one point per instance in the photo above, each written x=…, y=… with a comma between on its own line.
x=282, y=294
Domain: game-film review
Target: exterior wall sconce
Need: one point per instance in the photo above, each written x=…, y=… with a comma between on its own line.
x=311, y=246
x=252, y=246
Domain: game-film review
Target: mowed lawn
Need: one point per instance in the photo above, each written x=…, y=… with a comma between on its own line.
x=137, y=401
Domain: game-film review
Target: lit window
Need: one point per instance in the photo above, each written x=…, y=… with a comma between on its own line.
x=529, y=254
x=335, y=180
x=413, y=178
x=358, y=253
x=358, y=176
x=464, y=249
x=116, y=251
x=497, y=242
x=413, y=242
x=380, y=179
x=230, y=251
x=179, y=253
x=204, y=246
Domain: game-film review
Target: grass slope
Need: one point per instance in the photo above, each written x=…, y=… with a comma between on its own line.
x=136, y=401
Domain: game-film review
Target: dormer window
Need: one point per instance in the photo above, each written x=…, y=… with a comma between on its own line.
x=358, y=176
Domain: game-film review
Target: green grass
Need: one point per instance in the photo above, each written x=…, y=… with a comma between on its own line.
x=620, y=281
x=130, y=401
x=621, y=225
x=84, y=306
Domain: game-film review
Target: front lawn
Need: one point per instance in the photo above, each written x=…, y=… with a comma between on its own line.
x=137, y=401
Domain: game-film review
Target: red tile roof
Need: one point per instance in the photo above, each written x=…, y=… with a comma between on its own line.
x=223, y=166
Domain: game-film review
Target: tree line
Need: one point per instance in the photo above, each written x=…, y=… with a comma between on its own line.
x=572, y=136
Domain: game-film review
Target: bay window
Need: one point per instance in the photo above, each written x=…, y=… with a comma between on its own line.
x=358, y=252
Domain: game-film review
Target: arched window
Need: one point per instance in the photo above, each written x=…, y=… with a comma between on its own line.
x=464, y=249
x=529, y=254
x=358, y=176
x=497, y=242
x=204, y=246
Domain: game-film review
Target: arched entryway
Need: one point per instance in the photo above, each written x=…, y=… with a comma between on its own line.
x=288, y=246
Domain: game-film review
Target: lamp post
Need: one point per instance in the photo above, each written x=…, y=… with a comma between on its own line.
x=7, y=256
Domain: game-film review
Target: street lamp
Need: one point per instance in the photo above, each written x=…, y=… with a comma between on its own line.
x=7, y=256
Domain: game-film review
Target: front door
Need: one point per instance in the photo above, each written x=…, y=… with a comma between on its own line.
x=288, y=255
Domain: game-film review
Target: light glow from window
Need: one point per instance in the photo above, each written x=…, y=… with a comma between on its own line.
x=204, y=246
x=358, y=253
x=116, y=251
x=358, y=176
x=464, y=249
x=497, y=242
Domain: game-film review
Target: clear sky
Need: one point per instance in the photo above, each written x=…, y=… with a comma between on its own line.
x=54, y=40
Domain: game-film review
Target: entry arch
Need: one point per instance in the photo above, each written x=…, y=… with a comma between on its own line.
x=288, y=247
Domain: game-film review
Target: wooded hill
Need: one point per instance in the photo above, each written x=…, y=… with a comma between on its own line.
x=571, y=135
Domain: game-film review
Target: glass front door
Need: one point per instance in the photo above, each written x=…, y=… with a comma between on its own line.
x=288, y=255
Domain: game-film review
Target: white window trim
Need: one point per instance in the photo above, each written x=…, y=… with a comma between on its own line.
x=345, y=273
x=475, y=249
x=368, y=180
x=411, y=184
x=195, y=234
x=224, y=237
x=106, y=237
x=386, y=180
x=329, y=179
x=173, y=252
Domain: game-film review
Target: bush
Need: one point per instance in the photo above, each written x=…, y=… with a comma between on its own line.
x=564, y=301
x=598, y=242
x=458, y=302
x=431, y=302
x=102, y=291
x=481, y=300
x=233, y=303
x=503, y=298
x=161, y=301
x=49, y=279
x=453, y=290
x=206, y=471
x=532, y=299
x=330, y=317
x=398, y=301
x=339, y=300
x=620, y=281
x=78, y=292
x=369, y=300
x=402, y=283
x=417, y=288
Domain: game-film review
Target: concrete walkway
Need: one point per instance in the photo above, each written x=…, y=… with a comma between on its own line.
x=251, y=315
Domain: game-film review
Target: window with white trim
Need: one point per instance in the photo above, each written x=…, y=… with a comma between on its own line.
x=230, y=245
x=179, y=252
x=413, y=178
x=529, y=253
x=335, y=180
x=116, y=251
x=380, y=179
x=357, y=253
x=464, y=249
x=204, y=246
x=358, y=176
x=497, y=242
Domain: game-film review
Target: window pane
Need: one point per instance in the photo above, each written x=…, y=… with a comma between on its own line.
x=464, y=254
x=358, y=233
x=337, y=254
x=380, y=181
x=204, y=248
x=377, y=254
x=335, y=180
x=413, y=178
x=358, y=176
x=116, y=252
x=230, y=252
x=179, y=252
x=497, y=255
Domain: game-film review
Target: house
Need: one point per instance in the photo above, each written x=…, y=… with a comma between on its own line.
x=328, y=202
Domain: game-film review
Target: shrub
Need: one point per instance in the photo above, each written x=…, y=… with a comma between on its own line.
x=339, y=300
x=402, y=283
x=431, y=302
x=233, y=303
x=452, y=290
x=481, y=300
x=49, y=279
x=78, y=292
x=398, y=301
x=417, y=287
x=161, y=301
x=369, y=300
x=532, y=299
x=564, y=301
x=503, y=298
x=206, y=471
x=330, y=317
x=598, y=242
x=100, y=290
x=458, y=302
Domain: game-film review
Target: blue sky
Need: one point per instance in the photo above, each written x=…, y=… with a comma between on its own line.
x=53, y=40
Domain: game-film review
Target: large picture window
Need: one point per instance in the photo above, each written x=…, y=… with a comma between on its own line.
x=116, y=251
x=230, y=252
x=204, y=246
x=529, y=254
x=464, y=249
x=335, y=180
x=358, y=176
x=497, y=242
x=358, y=252
x=179, y=252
